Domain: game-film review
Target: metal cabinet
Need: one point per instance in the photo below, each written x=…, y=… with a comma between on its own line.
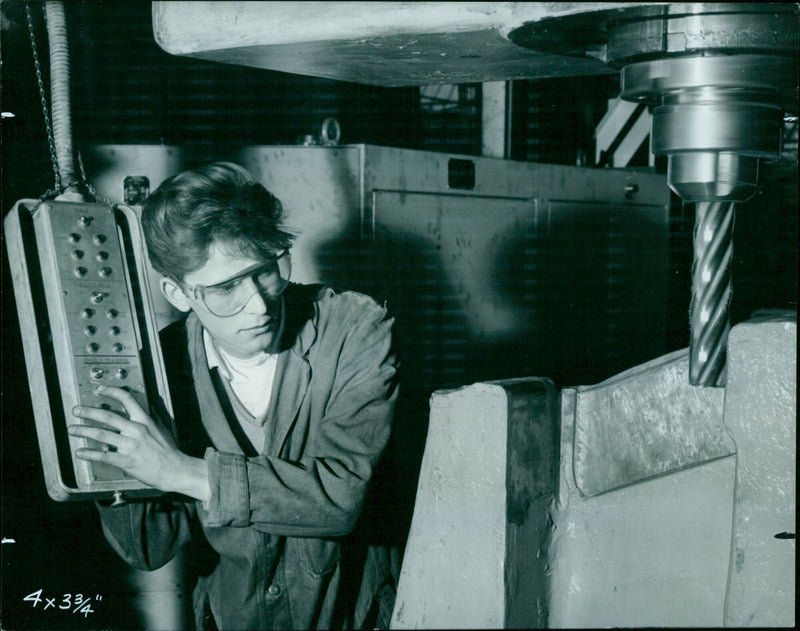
x=493, y=268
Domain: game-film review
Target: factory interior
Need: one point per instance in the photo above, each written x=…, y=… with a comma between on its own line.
x=583, y=218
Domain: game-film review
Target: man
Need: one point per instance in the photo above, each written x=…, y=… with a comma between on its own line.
x=283, y=398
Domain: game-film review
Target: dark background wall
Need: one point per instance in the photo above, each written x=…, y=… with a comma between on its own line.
x=126, y=90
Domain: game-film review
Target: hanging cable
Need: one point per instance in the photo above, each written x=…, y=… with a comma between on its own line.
x=59, y=90
x=68, y=182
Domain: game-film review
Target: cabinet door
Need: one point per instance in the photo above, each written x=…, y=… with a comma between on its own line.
x=460, y=273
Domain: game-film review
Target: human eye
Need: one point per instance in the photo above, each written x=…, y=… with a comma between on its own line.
x=268, y=270
x=223, y=289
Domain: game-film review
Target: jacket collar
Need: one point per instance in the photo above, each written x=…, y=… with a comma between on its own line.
x=301, y=318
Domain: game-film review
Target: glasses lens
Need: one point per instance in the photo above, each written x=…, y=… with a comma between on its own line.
x=284, y=262
x=230, y=297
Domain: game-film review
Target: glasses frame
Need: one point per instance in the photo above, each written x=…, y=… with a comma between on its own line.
x=198, y=290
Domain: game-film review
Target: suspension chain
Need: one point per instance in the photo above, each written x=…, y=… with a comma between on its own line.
x=95, y=196
x=45, y=111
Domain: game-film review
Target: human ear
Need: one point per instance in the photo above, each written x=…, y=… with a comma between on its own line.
x=174, y=294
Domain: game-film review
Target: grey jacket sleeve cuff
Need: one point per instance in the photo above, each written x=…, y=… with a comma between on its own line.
x=229, y=504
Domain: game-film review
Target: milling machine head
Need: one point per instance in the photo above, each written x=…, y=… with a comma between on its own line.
x=720, y=79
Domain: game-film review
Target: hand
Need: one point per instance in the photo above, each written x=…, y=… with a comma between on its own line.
x=139, y=446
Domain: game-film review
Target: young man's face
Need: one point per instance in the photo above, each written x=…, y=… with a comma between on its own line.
x=250, y=331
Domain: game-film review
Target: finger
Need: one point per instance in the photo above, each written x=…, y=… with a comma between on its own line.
x=110, y=438
x=104, y=455
x=106, y=417
x=125, y=398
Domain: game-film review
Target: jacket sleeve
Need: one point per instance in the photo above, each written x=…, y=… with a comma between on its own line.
x=320, y=495
x=146, y=535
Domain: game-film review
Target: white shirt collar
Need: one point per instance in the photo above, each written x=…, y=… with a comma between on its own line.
x=233, y=368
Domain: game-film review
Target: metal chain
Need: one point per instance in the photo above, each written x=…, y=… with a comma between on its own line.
x=45, y=111
x=89, y=187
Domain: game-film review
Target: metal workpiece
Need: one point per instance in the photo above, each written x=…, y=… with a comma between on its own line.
x=644, y=446
x=711, y=293
x=760, y=415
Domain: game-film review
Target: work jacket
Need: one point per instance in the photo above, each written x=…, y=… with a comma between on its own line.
x=272, y=534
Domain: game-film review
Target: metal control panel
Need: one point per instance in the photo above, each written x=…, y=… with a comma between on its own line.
x=89, y=297
x=86, y=319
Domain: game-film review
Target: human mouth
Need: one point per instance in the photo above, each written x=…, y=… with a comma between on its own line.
x=260, y=328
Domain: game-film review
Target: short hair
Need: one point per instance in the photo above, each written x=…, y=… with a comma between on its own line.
x=221, y=202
